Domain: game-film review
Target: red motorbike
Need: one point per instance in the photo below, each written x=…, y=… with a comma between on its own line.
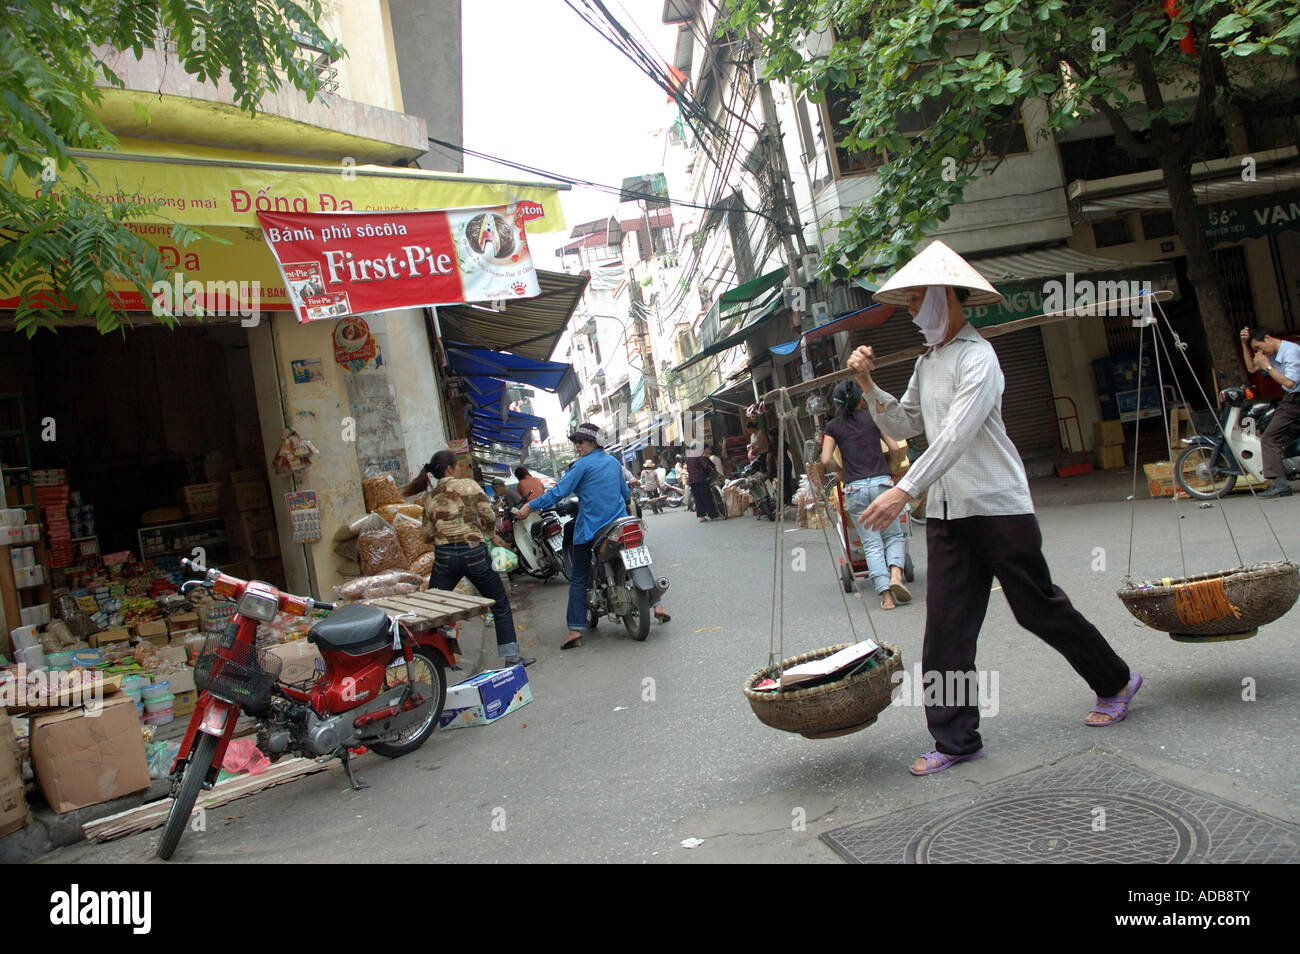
x=383, y=687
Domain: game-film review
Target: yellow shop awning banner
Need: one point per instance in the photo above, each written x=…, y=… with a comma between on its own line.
x=222, y=192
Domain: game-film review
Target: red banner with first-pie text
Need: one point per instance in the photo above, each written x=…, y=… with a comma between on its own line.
x=336, y=264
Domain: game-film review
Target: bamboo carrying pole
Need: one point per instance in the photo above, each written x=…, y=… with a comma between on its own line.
x=993, y=331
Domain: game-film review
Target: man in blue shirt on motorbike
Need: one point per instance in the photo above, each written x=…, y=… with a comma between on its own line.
x=597, y=479
x=1279, y=361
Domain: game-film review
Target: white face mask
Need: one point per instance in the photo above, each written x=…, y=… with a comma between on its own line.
x=932, y=319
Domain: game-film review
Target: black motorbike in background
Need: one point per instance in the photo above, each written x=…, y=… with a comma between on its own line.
x=621, y=583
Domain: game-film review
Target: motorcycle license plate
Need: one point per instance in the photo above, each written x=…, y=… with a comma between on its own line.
x=556, y=542
x=634, y=557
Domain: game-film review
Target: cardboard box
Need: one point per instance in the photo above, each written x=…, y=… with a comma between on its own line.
x=83, y=760
x=178, y=682
x=300, y=660
x=117, y=635
x=264, y=544
x=201, y=501
x=486, y=698
x=1110, y=456
x=13, y=800
x=181, y=621
x=1160, y=480
x=252, y=495
x=184, y=703
x=1107, y=433
x=246, y=476
x=218, y=471
x=154, y=630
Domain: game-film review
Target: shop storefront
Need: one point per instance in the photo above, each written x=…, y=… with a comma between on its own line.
x=149, y=425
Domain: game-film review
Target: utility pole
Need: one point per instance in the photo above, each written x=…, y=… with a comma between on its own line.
x=784, y=206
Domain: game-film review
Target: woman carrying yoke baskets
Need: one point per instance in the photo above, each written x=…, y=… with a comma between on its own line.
x=980, y=517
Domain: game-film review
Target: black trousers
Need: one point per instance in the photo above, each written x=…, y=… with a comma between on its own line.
x=703, y=500
x=1274, y=438
x=453, y=561
x=964, y=556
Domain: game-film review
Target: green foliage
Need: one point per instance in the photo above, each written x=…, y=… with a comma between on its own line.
x=1074, y=60
x=57, y=233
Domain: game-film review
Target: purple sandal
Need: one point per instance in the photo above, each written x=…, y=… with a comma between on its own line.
x=1115, y=707
x=942, y=761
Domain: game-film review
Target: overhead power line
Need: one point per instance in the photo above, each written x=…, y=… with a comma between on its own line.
x=587, y=183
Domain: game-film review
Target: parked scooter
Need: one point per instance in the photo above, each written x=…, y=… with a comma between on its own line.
x=621, y=583
x=539, y=541
x=383, y=687
x=1210, y=466
x=753, y=480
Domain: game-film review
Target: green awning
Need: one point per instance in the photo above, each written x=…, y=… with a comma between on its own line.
x=753, y=288
x=734, y=305
x=754, y=322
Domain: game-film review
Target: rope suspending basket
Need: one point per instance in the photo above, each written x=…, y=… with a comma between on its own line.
x=828, y=709
x=1208, y=607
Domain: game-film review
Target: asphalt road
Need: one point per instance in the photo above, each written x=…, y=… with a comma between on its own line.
x=629, y=748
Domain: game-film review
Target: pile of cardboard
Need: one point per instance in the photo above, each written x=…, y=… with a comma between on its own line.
x=245, y=504
x=1108, y=436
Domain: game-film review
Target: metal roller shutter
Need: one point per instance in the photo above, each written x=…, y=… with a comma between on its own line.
x=896, y=334
x=1025, y=398
x=1028, y=391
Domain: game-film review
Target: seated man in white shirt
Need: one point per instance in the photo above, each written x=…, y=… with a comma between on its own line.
x=1279, y=361
x=980, y=521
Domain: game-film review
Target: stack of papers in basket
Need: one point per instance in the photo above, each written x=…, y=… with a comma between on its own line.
x=831, y=667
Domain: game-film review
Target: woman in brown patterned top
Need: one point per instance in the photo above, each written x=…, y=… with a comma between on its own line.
x=458, y=519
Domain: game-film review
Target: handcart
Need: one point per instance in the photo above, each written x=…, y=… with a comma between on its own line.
x=854, y=562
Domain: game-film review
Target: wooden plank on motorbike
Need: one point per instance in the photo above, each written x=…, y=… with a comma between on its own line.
x=451, y=596
x=145, y=817
x=436, y=607
x=445, y=597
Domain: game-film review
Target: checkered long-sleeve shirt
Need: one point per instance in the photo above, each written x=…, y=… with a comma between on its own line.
x=970, y=468
x=457, y=511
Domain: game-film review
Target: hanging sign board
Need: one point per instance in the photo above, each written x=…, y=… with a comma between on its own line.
x=347, y=263
x=354, y=346
x=304, y=515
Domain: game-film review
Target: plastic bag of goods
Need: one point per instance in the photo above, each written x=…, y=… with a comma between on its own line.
x=410, y=533
x=354, y=529
x=380, y=550
x=503, y=560
x=390, y=512
x=422, y=565
x=380, y=489
x=390, y=583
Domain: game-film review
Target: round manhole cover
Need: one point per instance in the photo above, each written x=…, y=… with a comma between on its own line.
x=1061, y=828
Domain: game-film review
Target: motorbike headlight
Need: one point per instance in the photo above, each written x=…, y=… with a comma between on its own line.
x=258, y=605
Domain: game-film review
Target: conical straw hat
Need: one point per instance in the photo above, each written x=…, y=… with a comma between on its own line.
x=938, y=265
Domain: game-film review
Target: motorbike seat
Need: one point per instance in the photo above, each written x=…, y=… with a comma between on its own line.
x=354, y=629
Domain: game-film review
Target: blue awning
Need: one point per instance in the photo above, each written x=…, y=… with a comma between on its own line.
x=870, y=317
x=516, y=430
x=551, y=376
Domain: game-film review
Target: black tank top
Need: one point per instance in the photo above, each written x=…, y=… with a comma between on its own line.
x=858, y=439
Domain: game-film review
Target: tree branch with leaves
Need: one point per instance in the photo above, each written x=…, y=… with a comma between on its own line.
x=1119, y=61
x=63, y=244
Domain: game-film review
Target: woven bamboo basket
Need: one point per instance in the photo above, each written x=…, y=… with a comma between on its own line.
x=830, y=710
x=1216, y=605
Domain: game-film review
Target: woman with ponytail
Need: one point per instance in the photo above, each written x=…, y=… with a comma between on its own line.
x=458, y=520
x=866, y=476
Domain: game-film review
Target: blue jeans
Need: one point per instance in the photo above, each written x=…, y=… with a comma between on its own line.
x=452, y=561
x=576, y=614
x=884, y=548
